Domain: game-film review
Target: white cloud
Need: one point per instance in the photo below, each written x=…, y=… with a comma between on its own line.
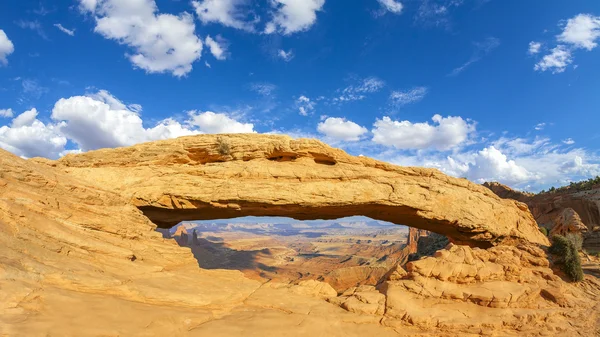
x=557, y=61
x=6, y=47
x=413, y=95
x=492, y=165
x=207, y=64
x=218, y=49
x=569, y=141
x=210, y=122
x=25, y=119
x=391, y=6
x=6, y=113
x=581, y=31
x=101, y=120
x=65, y=30
x=161, y=42
x=286, y=56
x=29, y=137
x=534, y=47
x=341, y=129
x=305, y=106
x=533, y=164
x=540, y=126
x=444, y=134
x=358, y=92
x=293, y=16
x=229, y=13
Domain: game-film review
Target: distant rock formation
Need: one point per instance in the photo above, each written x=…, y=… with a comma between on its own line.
x=568, y=222
x=548, y=209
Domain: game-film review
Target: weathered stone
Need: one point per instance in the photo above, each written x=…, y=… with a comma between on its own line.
x=189, y=179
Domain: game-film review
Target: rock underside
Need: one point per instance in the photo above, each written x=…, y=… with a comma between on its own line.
x=80, y=255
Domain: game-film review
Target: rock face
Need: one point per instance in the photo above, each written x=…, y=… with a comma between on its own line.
x=213, y=177
x=548, y=208
x=79, y=258
x=568, y=222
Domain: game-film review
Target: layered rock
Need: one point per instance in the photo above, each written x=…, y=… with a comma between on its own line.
x=79, y=258
x=208, y=177
x=504, y=291
x=568, y=222
x=548, y=209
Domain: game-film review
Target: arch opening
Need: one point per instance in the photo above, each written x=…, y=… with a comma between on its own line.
x=345, y=252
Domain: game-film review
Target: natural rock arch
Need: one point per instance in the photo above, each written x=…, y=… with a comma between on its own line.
x=226, y=176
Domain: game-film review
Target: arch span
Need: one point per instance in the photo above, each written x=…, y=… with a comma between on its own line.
x=226, y=176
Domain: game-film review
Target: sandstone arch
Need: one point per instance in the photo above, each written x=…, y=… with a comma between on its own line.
x=226, y=176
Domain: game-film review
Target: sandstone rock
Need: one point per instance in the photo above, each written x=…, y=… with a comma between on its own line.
x=547, y=208
x=190, y=179
x=79, y=258
x=568, y=222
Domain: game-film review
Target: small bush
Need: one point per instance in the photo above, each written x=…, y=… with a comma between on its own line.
x=568, y=257
x=223, y=147
x=544, y=231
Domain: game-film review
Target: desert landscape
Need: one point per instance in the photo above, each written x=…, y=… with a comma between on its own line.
x=299, y=168
x=344, y=254
x=82, y=255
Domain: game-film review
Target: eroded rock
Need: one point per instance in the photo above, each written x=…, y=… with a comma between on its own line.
x=190, y=178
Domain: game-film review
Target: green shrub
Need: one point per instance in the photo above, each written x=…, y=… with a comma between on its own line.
x=544, y=231
x=568, y=257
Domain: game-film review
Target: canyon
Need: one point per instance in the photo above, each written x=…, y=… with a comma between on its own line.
x=81, y=255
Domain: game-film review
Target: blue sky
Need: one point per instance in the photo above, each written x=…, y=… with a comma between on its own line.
x=483, y=89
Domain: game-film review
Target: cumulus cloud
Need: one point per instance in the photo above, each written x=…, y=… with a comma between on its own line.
x=413, y=95
x=305, y=106
x=25, y=119
x=569, y=141
x=6, y=47
x=29, y=137
x=293, y=16
x=6, y=113
x=357, y=92
x=531, y=164
x=341, y=129
x=540, y=126
x=391, y=6
x=492, y=165
x=218, y=47
x=580, y=32
x=230, y=13
x=557, y=61
x=534, y=47
x=210, y=122
x=160, y=42
x=444, y=134
x=100, y=120
x=287, y=56
x=70, y=32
